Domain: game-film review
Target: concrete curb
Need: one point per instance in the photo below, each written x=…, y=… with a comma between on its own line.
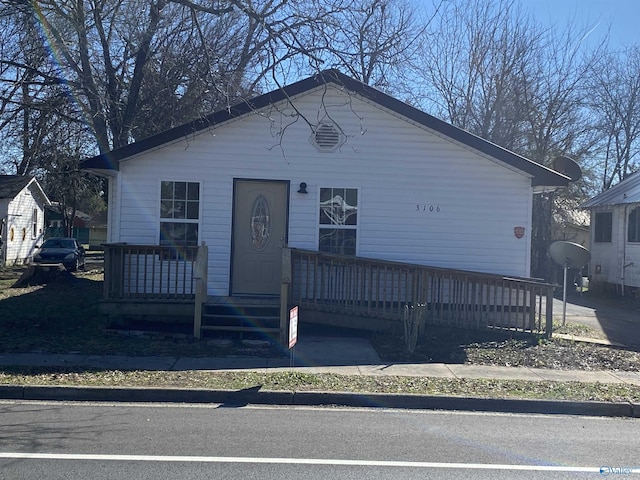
x=426, y=402
x=236, y=398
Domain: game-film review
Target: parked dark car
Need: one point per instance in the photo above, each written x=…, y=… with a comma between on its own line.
x=61, y=250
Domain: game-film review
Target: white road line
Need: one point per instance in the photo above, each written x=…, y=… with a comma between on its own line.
x=294, y=461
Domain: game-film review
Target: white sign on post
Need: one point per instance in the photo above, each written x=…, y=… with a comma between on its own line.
x=293, y=327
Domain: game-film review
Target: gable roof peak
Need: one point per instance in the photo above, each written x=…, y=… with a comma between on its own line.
x=540, y=175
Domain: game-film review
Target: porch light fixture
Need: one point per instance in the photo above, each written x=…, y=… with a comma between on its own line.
x=303, y=188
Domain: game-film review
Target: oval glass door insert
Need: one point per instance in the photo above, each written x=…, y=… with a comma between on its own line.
x=260, y=223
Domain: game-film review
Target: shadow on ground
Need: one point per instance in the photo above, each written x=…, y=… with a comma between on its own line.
x=445, y=345
x=616, y=316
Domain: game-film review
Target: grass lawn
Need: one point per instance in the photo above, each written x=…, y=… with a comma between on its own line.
x=63, y=317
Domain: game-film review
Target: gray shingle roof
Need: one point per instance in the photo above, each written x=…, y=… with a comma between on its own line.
x=11, y=185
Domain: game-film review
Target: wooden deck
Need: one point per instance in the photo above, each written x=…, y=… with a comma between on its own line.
x=329, y=289
x=390, y=291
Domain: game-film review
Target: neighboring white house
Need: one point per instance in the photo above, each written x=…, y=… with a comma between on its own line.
x=615, y=234
x=572, y=225
x=327, y=164
x=22, y=204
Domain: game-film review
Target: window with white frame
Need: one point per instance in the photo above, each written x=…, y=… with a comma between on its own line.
x=338, y=227
x=633, y=226
x=34, y=220
x=179, y=213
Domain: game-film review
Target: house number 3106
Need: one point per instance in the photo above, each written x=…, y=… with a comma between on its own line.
x=427, y=208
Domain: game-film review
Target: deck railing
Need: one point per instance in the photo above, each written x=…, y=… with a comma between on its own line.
x=149, y=272
x=387, y=290
x=344, y=285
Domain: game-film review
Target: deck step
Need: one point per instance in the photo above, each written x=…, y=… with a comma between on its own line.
x=244, y=317
x=227, y=328
x=241, y=314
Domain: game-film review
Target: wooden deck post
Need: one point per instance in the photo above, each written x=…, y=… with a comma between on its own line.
x=284, y=295
x=108, y=273
x=549, y=313
x=200, y=277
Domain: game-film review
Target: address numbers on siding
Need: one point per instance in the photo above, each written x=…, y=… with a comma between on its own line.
x=421, y=207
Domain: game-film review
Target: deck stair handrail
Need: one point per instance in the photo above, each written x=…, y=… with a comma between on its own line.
x=368, y=287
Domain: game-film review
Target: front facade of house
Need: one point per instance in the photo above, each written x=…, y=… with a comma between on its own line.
x=615, y=235
x=22, y=204
x=325, y=164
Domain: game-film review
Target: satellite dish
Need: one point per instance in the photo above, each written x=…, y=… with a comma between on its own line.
x=569, y=255
x=567, y=166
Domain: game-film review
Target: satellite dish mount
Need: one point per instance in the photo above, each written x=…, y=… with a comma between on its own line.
x=569, y=255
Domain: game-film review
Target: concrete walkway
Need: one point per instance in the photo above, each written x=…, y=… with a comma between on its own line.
x=345, y=356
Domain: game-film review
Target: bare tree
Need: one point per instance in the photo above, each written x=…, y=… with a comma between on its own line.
x=374, y=40
x=558, y=123
x=474, y=65
x=119, y=61
x=614, y=91
x=28, y=98
x=491, y=69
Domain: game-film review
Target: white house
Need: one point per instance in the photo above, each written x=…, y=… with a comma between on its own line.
x=22, y=204
x=615, y=235
x=327, y=164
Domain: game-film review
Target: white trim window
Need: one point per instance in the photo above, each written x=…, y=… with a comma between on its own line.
x=34, y=222
x=633, y=226
x=179, y=213
x=338, y=229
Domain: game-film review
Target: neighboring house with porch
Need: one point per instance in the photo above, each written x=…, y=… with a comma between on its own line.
x=326, y=165
x=615, y=236
x=22, y=205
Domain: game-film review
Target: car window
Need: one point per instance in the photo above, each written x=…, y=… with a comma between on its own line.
x=51, y=244
x=59, y=243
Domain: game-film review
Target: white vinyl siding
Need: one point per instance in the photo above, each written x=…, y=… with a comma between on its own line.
x=20, y=221
x=398, y=168
x=618, y=260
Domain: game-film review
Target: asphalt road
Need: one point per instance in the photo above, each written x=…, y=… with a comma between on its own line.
x=99, y=441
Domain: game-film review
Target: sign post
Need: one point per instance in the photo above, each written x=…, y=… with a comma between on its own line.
x=293, y=333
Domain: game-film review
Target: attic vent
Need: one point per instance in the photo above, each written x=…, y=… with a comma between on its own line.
x=326, y=137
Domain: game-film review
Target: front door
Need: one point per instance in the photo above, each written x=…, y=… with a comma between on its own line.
x=259, y=233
